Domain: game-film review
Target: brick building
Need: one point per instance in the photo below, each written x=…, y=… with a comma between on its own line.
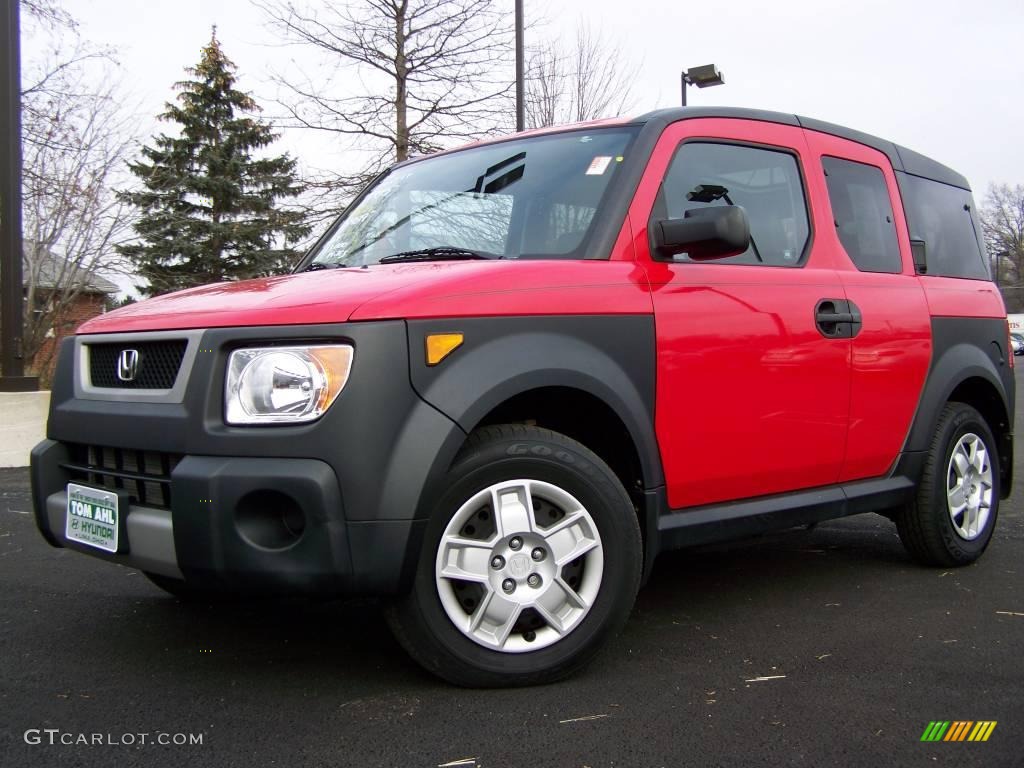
x=72, y=298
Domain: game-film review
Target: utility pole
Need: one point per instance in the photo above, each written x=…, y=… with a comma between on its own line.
x=12, y=319
x=520, y=88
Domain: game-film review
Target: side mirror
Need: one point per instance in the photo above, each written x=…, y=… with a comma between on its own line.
x=704, y=233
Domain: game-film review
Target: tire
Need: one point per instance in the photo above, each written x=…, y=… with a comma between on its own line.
x=573, y=576
x=963, y=454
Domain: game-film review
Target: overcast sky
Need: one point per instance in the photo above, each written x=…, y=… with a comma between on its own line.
x=942, y=77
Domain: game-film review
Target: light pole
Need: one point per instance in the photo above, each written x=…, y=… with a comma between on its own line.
x=520, y=96
x=703, y=77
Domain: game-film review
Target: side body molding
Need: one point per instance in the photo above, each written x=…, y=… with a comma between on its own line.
x=611, y=357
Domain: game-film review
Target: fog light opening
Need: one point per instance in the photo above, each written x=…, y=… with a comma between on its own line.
x=269, y=519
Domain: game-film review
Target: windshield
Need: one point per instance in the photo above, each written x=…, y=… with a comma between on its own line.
x=534, y=197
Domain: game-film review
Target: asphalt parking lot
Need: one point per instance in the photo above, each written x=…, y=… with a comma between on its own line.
x=817, y=648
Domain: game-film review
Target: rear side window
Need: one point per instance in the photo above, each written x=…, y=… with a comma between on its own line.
x=766, y=183
x=942, y=216
x=863, y=214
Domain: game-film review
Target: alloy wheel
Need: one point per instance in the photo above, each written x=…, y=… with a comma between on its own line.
x=519, y=565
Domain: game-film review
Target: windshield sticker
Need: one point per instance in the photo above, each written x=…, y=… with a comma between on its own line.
x=598, y=165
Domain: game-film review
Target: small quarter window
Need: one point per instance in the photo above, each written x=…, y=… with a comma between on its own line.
x=943, y=216
x=766, y=183
x=863, y=214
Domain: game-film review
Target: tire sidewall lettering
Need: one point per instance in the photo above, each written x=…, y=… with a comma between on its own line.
x=544, y=452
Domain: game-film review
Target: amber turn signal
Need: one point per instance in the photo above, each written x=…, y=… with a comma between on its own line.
x=440, y=345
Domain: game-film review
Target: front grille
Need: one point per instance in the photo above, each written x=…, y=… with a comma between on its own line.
x=157, y=366
x=144, y=475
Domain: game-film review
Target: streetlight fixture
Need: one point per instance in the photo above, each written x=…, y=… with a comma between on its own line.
x=703, y=77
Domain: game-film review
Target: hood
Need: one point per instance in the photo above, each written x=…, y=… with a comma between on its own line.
x=324, y=296
x=393, y=291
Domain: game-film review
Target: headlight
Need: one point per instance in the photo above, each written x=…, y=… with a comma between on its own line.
x=274, y=385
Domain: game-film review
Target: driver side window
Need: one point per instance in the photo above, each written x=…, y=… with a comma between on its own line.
x=765, y=183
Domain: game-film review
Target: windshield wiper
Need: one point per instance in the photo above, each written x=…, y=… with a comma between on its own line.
x=434, y=254
x=320, y=265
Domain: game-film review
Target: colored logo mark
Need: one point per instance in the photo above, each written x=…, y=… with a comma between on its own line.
x=958, y=730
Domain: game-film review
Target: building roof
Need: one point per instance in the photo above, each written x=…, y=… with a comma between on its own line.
x=53, y=272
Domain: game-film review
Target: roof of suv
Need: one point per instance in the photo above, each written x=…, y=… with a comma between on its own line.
x=902, y=159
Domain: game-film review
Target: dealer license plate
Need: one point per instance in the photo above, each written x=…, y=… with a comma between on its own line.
x=92, y=517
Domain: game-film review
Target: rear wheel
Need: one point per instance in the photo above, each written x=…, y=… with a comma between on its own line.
x=951, y=520
x=531, y=561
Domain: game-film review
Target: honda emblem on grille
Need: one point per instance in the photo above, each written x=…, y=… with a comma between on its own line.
x=128, y=364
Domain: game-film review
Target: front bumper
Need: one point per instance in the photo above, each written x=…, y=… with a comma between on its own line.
x=359, y=481
x=221, y=531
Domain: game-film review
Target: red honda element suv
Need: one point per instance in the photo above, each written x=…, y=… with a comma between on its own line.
x=511, y=374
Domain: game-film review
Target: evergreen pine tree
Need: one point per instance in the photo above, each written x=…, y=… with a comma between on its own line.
x=207, y=207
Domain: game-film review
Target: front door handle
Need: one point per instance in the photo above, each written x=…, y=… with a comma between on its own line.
x=824, y=317
x=837, y=318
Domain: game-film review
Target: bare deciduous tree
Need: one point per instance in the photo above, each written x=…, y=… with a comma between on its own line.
x=75, y=139
x=1002, y=222
x=398, y=77
x=589, y=81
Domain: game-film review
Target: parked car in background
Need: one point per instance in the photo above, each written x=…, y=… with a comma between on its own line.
x=1017, y=340
x=512, y=374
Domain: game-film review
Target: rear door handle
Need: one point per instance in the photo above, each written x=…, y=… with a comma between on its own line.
x=837, y=318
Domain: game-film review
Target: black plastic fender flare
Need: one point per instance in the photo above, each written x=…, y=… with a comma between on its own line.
x=610, y=357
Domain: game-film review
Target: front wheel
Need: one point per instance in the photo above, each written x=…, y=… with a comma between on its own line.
x=951, y=519
x=531, y=560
